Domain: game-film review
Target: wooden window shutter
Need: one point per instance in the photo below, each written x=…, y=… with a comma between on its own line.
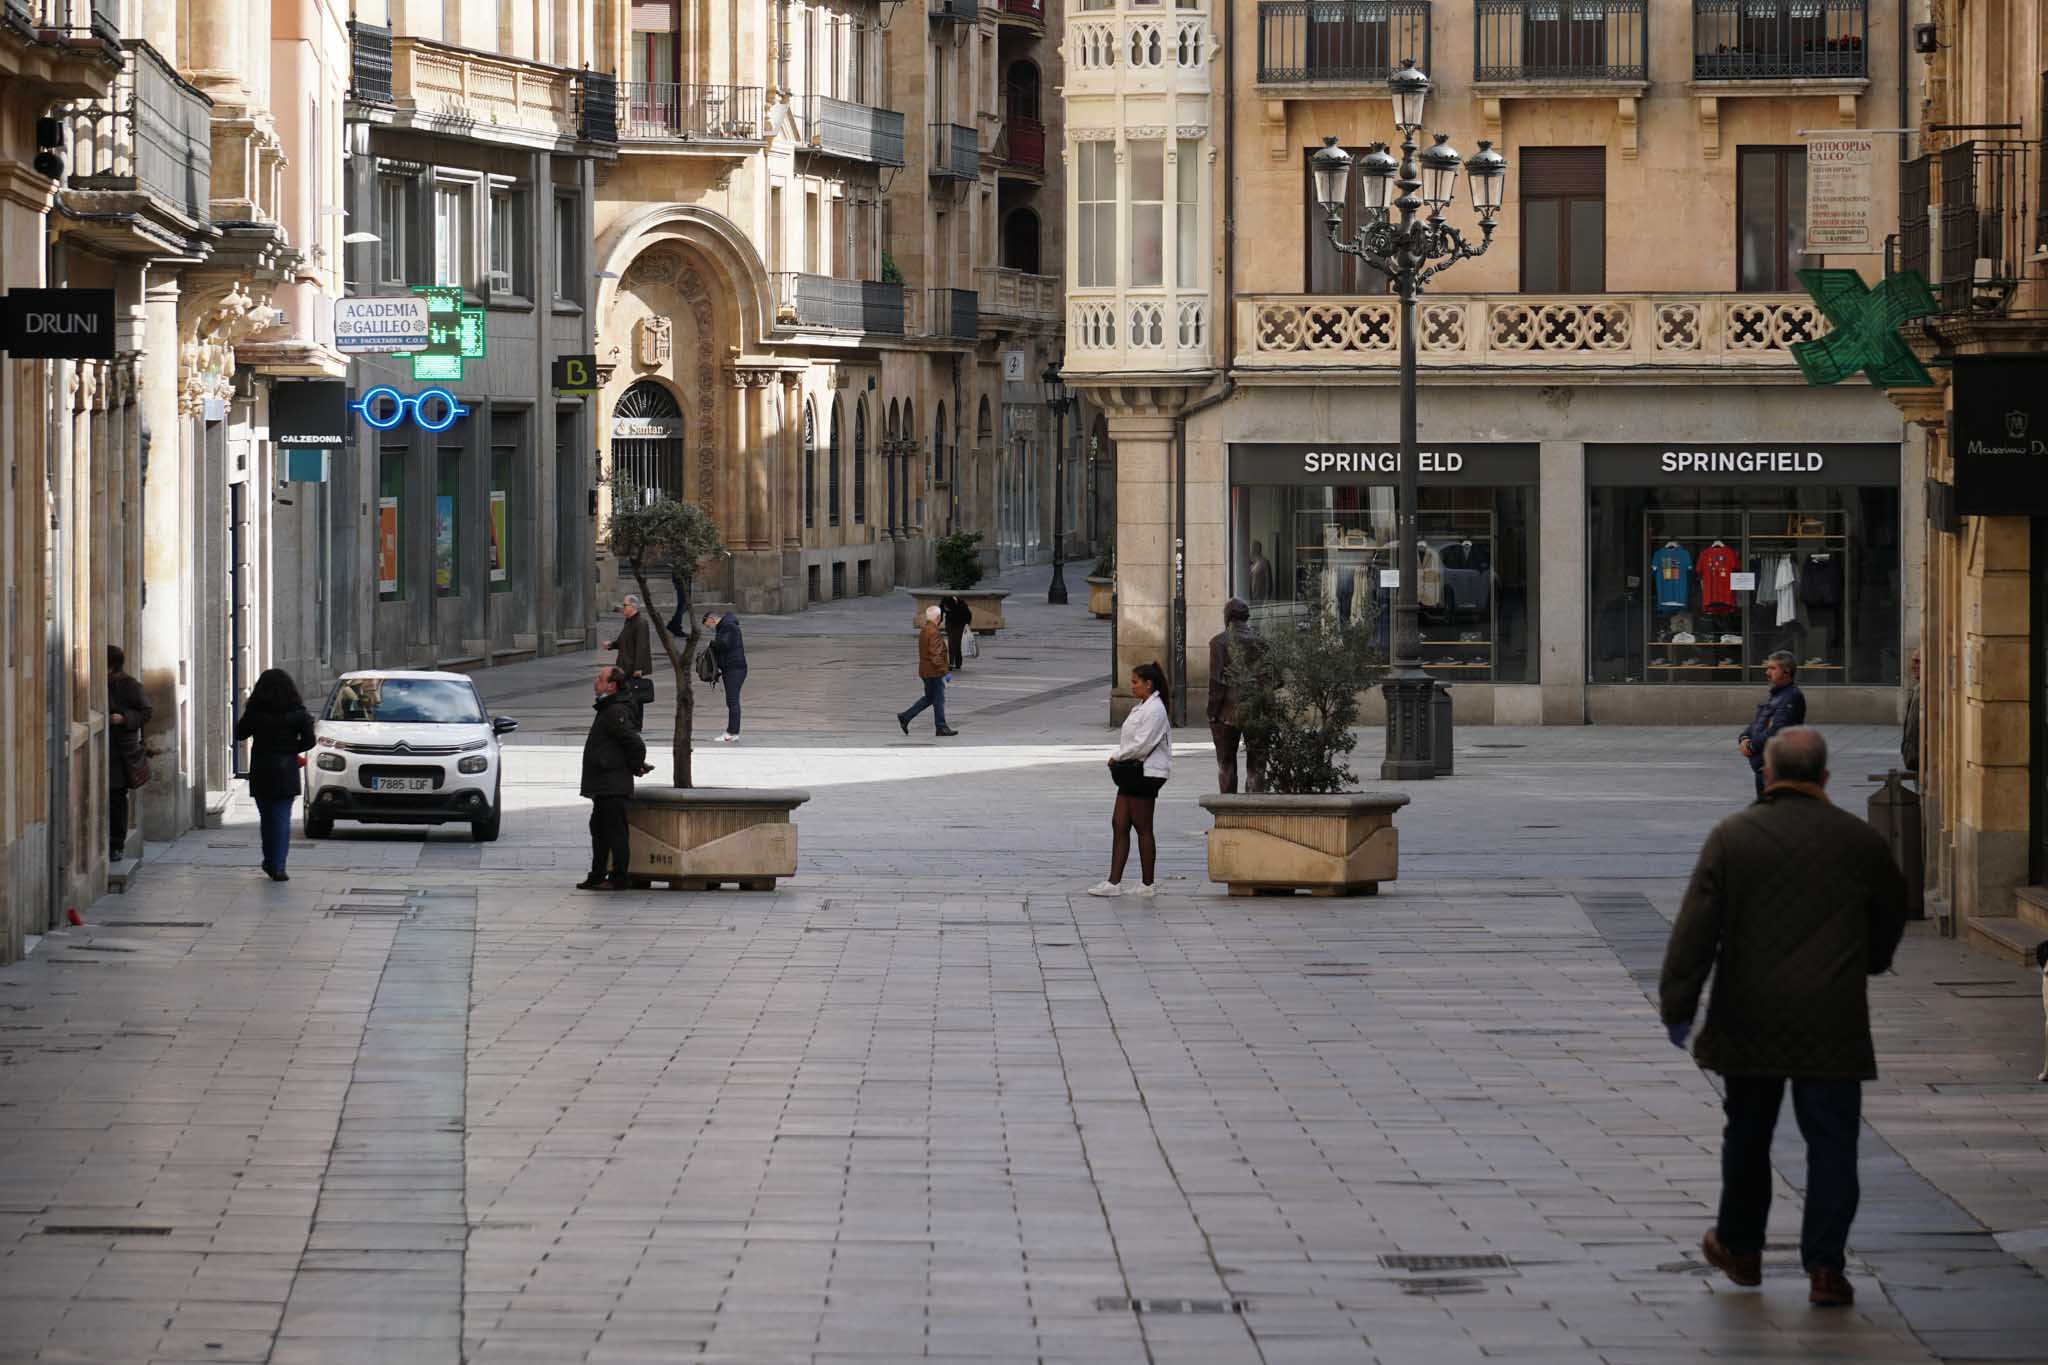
x=1553, y=172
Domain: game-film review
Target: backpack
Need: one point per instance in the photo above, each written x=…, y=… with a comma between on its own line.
x=707, y=668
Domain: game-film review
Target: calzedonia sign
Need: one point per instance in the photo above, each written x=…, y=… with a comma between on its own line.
x=58, y=324
x=1320, y=464
x=1999, y=435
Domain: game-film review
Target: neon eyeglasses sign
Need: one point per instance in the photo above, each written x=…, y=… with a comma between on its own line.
x=384, y=408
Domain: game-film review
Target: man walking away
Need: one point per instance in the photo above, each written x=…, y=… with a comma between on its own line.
x=613, y=755
x=1793, y=904
x=955, y=615
x=931, y=666
x=127, y=712
x=729, y=657
x=1235, y=638
x=1782, y=709
x=635, y=653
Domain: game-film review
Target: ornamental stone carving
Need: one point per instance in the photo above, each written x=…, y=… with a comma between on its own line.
x=655, y=339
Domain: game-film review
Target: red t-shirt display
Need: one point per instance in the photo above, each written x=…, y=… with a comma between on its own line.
x=1714, y=565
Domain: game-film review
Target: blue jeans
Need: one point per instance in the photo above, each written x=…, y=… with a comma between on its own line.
x=733, y=683
x=1829, y=1114
x=934, y=697
x=274, y=818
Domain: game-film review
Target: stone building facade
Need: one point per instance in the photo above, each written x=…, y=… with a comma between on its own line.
x=1634, y=310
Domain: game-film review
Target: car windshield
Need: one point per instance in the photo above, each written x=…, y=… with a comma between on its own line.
x=405, y=701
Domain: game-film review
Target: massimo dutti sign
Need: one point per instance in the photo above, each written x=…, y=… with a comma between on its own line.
x=1999, y=434
x=58, y=324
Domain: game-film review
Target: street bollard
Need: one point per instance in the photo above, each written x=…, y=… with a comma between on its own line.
x=1440, y=729
x=1894, y=812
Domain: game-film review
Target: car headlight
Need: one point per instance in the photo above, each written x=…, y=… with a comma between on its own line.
x=475, y=763
x=327, y=743
x=330, y=763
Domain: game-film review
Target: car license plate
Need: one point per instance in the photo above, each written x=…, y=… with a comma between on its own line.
x=405, y=784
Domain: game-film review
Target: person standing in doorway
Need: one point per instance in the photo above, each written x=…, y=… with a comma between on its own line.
x=127, y=764
x=955, y=615
x=729, y=657
x=635, y=652
x=1791, y=943
x=1909, y=736
x=613, y=755
x=932, y=668
x=1235, y=640
x=275, y=722
x=1782, y=709
x=1140, y=766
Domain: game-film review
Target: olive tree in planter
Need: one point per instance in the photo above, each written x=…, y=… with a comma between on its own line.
x=1102, y=582
x=957, y=559
x=1307, y=829
x=686, y=835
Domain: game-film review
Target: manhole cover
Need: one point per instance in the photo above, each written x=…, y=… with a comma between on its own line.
x=1402, y=1260
x=1151, y=1306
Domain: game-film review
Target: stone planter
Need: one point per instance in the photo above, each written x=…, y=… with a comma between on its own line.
x=703, y=837
x=986, y=604
x=1338, y=845
x=1100, y=593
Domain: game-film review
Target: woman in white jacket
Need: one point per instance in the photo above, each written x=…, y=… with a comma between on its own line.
x=1140, y=766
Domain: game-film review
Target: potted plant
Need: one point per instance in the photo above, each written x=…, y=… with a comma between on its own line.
x=958, y=562
x=1307, y=828
x=1102, y=582
x=692, y=837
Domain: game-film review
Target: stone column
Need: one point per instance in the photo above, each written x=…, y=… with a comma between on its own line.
x=1561, y=583
x=1141, y=421
x=1996, y=791
x=163, y=641
x=792, y=464
x=760, y=524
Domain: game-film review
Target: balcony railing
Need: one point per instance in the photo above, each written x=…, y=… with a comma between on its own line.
x=597, y=107
x=1025, y=9
x=369, y=74
x=152, y=135
x=1340, y=41
x=1915, y=227
x=94, y=25
x=956, y=152
x=1560, y=40
x=843, y=305
x=954, y=11
x=1738, y=40
x=1524, y=331
x=666, y=111
x=1023, y=144
x=854, y=131
x=952, y=314
x=1015, y=294
x=1988, y=226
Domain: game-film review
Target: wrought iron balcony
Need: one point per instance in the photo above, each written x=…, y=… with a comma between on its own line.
x=842, y=305
x=854, y=131
x=1023, y=145
x=954, y=11
x=1358, y=42
x=952, y=314
x=152, y=135
x=369, y=76
x=1989, y=228
x=956, y=152
x=1560, y=40
x=1737, y=40
x=666, y=111
x=92, y=26
x=597, y=107
x=1032, y=10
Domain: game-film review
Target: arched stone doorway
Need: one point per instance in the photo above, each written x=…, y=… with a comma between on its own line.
x=648, y=442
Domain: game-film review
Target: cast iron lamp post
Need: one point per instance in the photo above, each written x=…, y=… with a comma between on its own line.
x=1409, y=252
x=1058, y=401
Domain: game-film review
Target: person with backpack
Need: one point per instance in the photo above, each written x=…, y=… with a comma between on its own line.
x=728, y=655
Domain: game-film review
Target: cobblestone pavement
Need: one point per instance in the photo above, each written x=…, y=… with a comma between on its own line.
x=926, y=1101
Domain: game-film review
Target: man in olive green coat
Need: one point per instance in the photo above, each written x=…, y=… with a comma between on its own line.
x=1793, y=905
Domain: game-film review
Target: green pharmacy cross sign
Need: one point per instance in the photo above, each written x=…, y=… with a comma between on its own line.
x=454, y=334
x=1865, y=323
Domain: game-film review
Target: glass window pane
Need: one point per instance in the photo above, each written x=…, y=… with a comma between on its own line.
x=1793, y=164
x=1541, y=245
x=1188, y=214
x=1589, y=246
x=1759, y=234
x=1148, y=190
x=1148, y=171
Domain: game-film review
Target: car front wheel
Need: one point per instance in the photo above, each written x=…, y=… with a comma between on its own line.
x=318, y=826
x=485, y=831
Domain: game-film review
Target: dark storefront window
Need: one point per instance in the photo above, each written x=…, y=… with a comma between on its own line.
x=448, y=521
x=1698, y=578
x=507, y=502
x=391, y=555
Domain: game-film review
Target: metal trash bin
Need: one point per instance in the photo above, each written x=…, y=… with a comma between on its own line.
x=1894, y=812
x=1440, y=729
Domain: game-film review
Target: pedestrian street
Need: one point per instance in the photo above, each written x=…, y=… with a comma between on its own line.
x=426, y=1102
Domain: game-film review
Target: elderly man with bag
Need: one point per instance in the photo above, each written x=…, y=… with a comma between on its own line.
x=1793, y=905
x=933, y=664
x=635, y=646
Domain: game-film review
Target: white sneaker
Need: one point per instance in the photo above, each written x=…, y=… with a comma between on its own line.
x=1145, y=891
x=1105, y=889
x=728, y=739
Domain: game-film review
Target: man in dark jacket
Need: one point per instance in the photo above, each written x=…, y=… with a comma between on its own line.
x=1782, y=709
x=635, y=653
x=955, y=615
x=729, y=656
x=1793, y=904
x=1235, y=638
x=613, y=755
x=128, y=711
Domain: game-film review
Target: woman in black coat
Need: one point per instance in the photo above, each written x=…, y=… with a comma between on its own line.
x=955, y=615
x=276, y=722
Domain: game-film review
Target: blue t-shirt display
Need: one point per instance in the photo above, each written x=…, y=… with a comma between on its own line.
x=1672, y=568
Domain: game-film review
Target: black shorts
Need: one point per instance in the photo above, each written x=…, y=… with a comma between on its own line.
x=1140, y=787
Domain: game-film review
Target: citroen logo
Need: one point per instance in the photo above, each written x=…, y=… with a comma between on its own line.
x=401, y=747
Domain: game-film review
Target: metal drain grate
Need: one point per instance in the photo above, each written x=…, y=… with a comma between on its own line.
x=103, y=1230
x=1403, y=1260
x=1218, y=1307
x=373, y=911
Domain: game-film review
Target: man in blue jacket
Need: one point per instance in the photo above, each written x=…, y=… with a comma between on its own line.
x=1782, y=709
x=729, y=655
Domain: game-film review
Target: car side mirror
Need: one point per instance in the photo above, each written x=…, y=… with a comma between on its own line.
x=503, y=725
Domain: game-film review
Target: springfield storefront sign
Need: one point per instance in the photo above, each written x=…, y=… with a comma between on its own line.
x=1275, y=462
x=1734, y=464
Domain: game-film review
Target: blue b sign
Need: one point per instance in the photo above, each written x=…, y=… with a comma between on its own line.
x=432, y=409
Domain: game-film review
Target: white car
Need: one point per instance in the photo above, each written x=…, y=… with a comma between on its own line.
x=402, y=747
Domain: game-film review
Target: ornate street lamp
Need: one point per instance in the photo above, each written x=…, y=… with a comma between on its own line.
x=1058, y=402
x=1409, y=252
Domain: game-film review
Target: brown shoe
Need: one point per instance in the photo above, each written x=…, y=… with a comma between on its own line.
x=1831, y=1289
x=1745, y=1270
